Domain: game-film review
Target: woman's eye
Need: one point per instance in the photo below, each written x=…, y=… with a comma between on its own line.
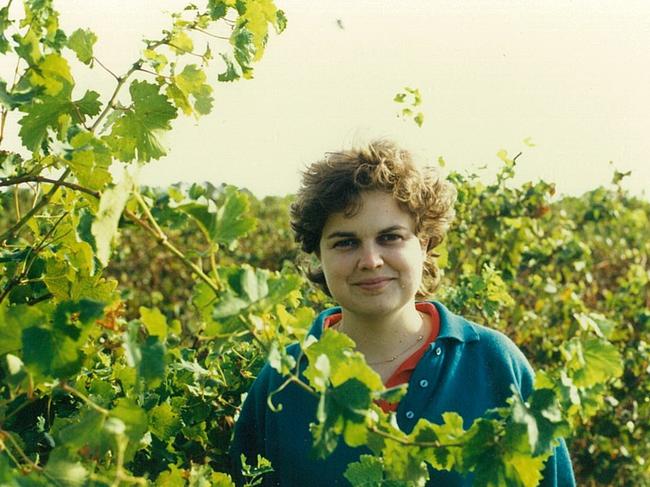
x=390, y=237
x=344, y=244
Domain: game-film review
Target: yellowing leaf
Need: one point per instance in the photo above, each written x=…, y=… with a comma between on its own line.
x=111, y=206
x=81, y=42
x=52, y=73
x=528, y=469
x=154, y=321
x=181, y=42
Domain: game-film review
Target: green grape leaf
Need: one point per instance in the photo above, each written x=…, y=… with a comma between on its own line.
x=51, y=354
x=111, y=206
x=173, y=477
x=89, y=105
x=63, y=469
x=280, y=21
x=232, y=72
x=134, y=134
x=164, y=421
x=47, y=113
x=344, y=364
x=158, y=61
x=152, y=367
x=401, y=463
x=482, y=454
x=220, y=479
x=81, y=42
x=73, y=318
x=333, y=345
x=191, y=82
x=280, y=360
x=154, y=321
x=256, y=19
x=133, y=416
x=180, y=42
x=41, y=116
x=253, y=283
x=217, y=9
x=52, y=73
x=16, y=98
x=90, y=162
x=545, y=406
x=448, y=435
x=28, y=47
x=83, y=430
x=229, y=222
x=593, y=361
x=523, y=470
x=4, y=25
x=523, y=416
x=367, y=472
x=14, y=319
x=341, y=410
x=244, y=50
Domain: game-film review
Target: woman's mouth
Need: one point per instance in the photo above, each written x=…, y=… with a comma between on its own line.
x=373, y=284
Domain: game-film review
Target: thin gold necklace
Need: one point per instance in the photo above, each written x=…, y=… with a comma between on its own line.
x=394, y=357
x=336, y=326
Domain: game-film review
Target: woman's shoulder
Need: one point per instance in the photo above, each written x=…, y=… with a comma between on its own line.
x=481, y=339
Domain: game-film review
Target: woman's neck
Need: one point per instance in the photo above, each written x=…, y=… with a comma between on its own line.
x=381, y=336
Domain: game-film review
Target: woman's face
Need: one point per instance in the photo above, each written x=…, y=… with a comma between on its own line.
x=373, y=260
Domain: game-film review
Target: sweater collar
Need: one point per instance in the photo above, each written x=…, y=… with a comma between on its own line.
x=452, y=326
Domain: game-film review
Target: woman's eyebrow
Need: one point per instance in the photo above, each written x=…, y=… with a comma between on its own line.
x=341, y=234
x=393, y=228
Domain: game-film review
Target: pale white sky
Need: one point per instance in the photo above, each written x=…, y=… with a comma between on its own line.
x=572, y=75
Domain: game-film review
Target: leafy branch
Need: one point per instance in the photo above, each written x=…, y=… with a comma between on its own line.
x=11, y=232
x=31, y=255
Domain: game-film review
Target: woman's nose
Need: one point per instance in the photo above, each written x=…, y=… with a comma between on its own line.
x=370, y=257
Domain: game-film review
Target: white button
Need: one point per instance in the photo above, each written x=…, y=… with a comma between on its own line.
x=410, y=414
x=438, y=351
x=424, y=383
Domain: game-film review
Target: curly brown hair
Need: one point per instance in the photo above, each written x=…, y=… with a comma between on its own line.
x=335, y=183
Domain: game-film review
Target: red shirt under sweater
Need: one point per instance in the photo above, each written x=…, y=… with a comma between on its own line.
x=403, y=373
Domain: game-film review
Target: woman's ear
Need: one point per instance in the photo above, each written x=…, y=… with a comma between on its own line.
x=424, y=244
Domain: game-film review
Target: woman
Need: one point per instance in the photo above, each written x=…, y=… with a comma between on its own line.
x=372, y=219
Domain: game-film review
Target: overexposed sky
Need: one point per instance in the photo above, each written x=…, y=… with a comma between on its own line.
x=574, y=76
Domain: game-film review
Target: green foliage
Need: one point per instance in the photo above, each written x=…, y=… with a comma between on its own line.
x=127, y=337
x=410, y=99
x=97, y=388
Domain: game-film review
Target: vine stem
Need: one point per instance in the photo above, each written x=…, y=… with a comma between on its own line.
x=120, y=474
x=43, y=179
x=24, y=456
x=108, y=70
x=36, y=208
x=209, y=33
x=407, y=442
x=30, y=255
x=120, y=83
x=291, y=379
x=20, y=451
x=154, y=229
x=163, y=240
x=84, y=398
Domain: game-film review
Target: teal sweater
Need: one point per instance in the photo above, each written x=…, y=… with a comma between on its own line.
x=468, y=369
